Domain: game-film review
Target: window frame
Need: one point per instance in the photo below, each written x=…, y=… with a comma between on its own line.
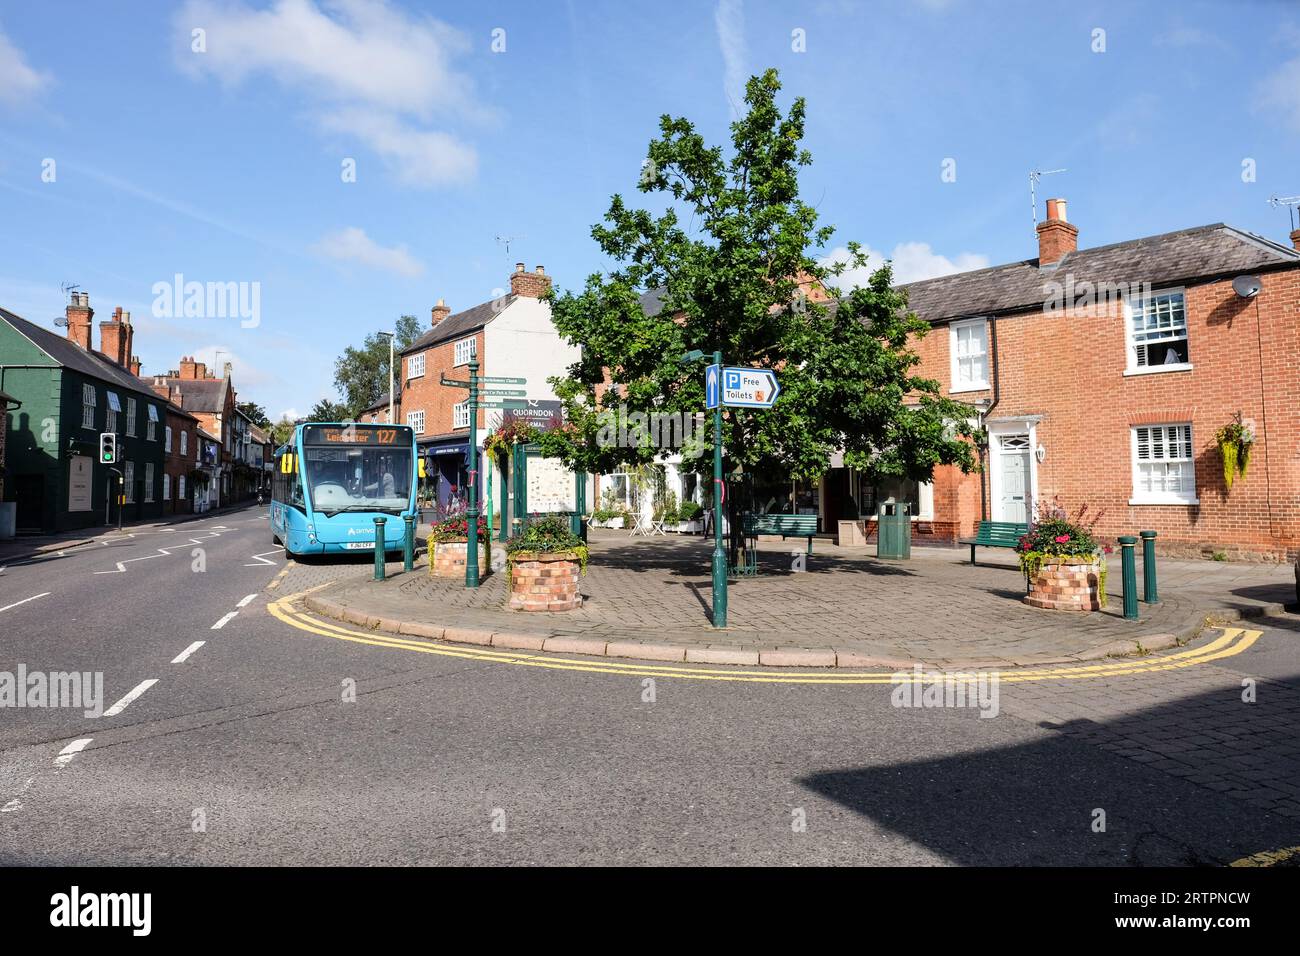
x=1131, y=366
x=471, y=343
x=411, y=420
x=956, y=385
x=130, y=416
x=128, y=481
x=411, y=366
x=185, y=442
x=1140, y=497
x=458, y=411
x=89, y=402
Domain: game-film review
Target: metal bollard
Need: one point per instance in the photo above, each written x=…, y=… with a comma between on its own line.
x=1126, y=543
x=408, y=561
x=1149, y=593
x=379, y=548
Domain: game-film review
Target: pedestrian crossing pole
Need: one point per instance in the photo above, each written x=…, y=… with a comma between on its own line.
x=471, y=514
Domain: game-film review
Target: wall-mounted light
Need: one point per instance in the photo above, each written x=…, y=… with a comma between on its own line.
x=1040, y=453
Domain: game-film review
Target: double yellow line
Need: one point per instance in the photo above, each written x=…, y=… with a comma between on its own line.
x=1233, y=641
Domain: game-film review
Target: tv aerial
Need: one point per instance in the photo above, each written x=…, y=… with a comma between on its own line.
x=67, y=288
x=1034, y=176
x=1291, y=202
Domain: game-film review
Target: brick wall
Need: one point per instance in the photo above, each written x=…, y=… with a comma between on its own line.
x=437, y=400
x=176, y=465
x=1069, y=369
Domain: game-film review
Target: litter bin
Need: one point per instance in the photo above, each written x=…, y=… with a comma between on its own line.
x=894, y=530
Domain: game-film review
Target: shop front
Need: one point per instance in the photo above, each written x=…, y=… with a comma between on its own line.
x=446, y=471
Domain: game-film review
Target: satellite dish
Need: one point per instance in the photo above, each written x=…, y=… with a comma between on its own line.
x=1246, y=286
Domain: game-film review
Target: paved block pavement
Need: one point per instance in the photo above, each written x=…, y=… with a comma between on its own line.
x=935, y=609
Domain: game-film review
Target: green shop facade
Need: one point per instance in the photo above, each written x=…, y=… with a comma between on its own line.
x=69, y=396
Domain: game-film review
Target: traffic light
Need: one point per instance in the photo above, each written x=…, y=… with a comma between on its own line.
x=107, y=448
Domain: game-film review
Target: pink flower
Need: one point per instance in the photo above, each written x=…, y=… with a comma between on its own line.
x=1062, y=538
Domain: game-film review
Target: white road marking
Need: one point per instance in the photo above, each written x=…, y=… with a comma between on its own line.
x=244, y=601
x=224, y=621
x=261, y=560
x=71, y=750
x=122, y=704
x=25, y=600
x=180, y=658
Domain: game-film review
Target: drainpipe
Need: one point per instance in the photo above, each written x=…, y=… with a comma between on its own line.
x=997, y=394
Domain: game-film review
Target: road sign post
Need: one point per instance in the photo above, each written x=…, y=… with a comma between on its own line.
x=719, y=498
x=471, y=514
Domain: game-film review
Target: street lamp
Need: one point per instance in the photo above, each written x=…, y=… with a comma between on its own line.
x=719, y=493
x=390, y=336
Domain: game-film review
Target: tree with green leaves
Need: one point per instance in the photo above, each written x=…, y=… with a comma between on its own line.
x=327, y=411
x=361, y=374
x=256, y=414
x=282, y=431
x=737, y=278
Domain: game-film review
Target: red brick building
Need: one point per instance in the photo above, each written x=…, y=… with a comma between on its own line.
x=180, y=451
x=1102, y=375
x=510, y=336
x=212, y=402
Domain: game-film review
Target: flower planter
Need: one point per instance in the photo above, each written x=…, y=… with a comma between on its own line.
x=1065, y=586
x=688, y=527
x=545, y=582
x=449, y=558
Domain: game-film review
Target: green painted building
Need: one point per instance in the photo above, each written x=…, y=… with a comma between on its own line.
x=69, y=395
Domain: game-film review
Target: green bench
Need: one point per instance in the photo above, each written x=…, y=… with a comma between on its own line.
x=787, y=526
x=996, y=534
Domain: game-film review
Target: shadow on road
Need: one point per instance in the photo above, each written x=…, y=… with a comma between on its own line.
x=1034, y=805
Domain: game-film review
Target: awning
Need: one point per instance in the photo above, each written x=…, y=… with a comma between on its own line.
x=461, y=448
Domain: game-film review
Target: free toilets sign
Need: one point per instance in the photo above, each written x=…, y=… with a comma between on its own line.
x=741, y=387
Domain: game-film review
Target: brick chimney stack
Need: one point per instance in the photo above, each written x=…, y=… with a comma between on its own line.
x=440, y=312
x=128, y=339
x=135, y=365
x=1295, y=239
x=1056, y=236
x=187, y=368
x=201, y=370
x=531, y=284
x=79, y=314
x=112, y=338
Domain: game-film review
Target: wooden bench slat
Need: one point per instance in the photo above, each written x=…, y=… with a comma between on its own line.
x=996, y=534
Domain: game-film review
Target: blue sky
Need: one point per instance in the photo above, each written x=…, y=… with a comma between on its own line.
x=225, y=165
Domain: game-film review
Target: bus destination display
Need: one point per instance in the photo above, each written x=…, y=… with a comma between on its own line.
x=354, y=435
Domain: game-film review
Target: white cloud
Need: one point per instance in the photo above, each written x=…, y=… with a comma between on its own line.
x=729, y=18
x=19, y=83
x=380, y=74
x=912, y=261
x=1280, y=92
x=416, y=157
x=353, y=245
x=289, y=413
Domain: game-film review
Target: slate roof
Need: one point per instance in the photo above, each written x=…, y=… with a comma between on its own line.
x=200, y=394
x=73, y=356
x=461, y=324
x=1189, y=255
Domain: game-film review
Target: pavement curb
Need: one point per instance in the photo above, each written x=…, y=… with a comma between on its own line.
x=722, y=653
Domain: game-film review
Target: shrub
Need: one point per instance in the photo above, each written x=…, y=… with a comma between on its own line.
x=547, y=535
x=456, y=529
x=689, y=511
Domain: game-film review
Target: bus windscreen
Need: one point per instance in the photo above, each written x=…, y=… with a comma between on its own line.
x=342, y=478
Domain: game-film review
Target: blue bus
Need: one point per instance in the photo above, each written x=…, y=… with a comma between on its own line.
x=331, y=480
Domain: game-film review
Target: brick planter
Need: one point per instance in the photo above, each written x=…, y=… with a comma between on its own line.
x=545, y=582
x=1065, y=587
x=449, y=558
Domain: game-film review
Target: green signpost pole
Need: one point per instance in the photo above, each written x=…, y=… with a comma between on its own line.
x=471, y=515
x=719, y=493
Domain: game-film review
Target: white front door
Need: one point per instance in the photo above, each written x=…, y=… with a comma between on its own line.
x=1012, y=487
